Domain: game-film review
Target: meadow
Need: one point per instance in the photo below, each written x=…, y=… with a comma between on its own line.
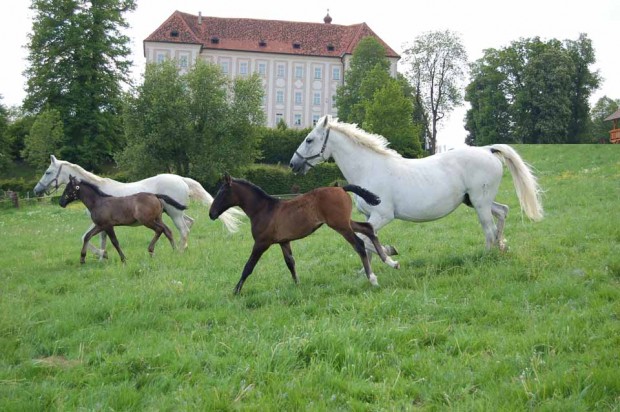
x=456, y=328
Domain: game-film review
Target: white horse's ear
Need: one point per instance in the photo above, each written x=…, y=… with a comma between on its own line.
x=53, y=158
x=326, y=120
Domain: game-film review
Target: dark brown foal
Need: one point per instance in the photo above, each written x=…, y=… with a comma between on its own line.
x=281, y=221
x=108, y=211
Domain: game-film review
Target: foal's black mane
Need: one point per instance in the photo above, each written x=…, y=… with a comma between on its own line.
x=256, y=190
x=95, y=188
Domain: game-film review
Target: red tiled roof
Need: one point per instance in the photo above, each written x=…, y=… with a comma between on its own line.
x=278, y=36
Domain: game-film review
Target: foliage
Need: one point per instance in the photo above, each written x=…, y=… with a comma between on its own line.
x=5, y=157
x=280, y=180
x=278, y=145
x=603, y=108
x=389, y=103
x=197, y=124
x=435, y=64
x=369, y=54
x=456, y=328
x=377, y=102
x=532, y=92
x=77, y=63
x=45, y=138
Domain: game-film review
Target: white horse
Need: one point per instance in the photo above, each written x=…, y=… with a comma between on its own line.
x=421, y=190
x=177, y=187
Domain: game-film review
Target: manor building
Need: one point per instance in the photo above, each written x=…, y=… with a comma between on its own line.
x=301, y=64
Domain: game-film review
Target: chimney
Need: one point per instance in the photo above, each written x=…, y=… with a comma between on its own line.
x=199, y=17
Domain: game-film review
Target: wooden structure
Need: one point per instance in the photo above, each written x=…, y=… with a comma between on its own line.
x=614, y=133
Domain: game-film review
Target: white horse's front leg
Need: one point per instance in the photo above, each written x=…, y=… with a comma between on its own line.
x=101, y=253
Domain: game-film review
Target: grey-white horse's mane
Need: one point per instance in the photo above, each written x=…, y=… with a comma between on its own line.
x=372, y=141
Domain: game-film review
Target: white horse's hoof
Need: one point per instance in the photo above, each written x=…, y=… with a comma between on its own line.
x=373, y=279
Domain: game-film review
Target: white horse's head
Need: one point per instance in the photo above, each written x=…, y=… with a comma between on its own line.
x=54, y=176
x=314, y=149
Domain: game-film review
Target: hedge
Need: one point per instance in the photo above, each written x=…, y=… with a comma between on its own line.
x=279, y=180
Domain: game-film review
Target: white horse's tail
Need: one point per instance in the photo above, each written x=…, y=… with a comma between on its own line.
x=231, y=217
x=524, y=180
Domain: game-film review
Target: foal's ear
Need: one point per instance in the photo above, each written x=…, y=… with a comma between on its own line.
x=227, y=178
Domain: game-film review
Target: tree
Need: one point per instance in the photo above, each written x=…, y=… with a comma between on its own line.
x=390, y=102
x=600, y=128
x=532, y=91
x=77, y=64
x=368, y=55
x=376, y=101
x=45, y=138
x=197, y=124
x=436, y=65
x=5, y=157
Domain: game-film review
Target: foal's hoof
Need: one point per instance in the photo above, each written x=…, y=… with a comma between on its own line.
x=373, y=280
x=390, y=250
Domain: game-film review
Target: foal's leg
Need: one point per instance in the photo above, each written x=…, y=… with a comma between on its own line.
x=289, y=259
x=500, y=211
x=257, y=252
x=377, y=221
x=112, y=234
x=87, y=236
x=358, y=245
x=366, y=229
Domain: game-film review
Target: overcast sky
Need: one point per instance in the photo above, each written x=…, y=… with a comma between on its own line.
x=481, y=24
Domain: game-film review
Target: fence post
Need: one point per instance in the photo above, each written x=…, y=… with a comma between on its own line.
x=14, y=197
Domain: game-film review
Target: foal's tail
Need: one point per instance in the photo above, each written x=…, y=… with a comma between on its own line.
x=171, y=202
x=370, y=198
x=524, y=180
x=230, y=217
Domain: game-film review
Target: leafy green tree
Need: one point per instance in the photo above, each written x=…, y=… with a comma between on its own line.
x=198, y=124
x=490, y=122
x=45, y=138
x=5, y=156
x=390, y=102
x=157, y=124
x=436, y=65
x=76, y=65
x=532, y=91
x=368, y=55
x=603, y=108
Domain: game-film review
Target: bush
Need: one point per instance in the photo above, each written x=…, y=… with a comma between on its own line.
x=277, y=180
x=278, y=145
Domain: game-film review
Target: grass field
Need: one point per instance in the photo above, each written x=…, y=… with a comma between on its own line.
x=458, y=328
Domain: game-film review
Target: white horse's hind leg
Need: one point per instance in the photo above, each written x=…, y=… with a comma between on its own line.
x=188, y=221
x=485, y=217
x=500, y=211
x=178, y=218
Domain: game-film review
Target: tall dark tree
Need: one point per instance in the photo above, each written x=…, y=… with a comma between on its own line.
x=78, y=61
x=5, y=156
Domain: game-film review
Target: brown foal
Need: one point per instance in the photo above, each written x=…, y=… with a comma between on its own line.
x=108, y=211
x=281, y=221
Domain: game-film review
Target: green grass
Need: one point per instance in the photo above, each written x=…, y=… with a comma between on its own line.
x=456, y=328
